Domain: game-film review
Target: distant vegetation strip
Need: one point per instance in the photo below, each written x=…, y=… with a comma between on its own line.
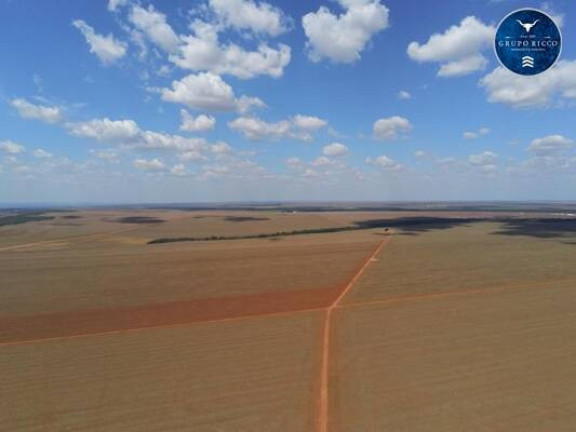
x=255, y=236
x=139, y=220
x=244, y=218
x=23, y=218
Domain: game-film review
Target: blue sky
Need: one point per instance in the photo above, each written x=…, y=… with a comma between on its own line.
x=243, y=100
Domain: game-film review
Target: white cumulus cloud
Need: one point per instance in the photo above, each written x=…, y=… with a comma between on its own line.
x=152, y=165
x=192, y=156
x=335, y=149
x=342, y=38
x=153, y=24
x=258, y=17
x=404, y=95
x=384, y=162
x=256, y=129
x=244, y=104
x=203, y=91
x=220, y=148
x=105, y=130
x=458, y=49
x=392, y=128
x=48, y=114
x=551, y=144
x=471, y=135
x=128, y=134
x=325, y=162
x=294, y=162
x=106, y=155
x=556, y=84
x=106, y=48
x=299, y=127
x=202, y=51
x=486, y=162
x=160, y=141
x=309, y=123
x=42, y=154
x=114, y=5
x=201, y=123
x=11, y=148
x=179, y=170
x=485, y=158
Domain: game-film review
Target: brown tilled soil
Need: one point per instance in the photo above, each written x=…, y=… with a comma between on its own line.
x=443, y=329
x=118, y=320
x=247, y=375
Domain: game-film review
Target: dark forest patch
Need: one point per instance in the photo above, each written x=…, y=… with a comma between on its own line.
x=244, y=218
x=548, y=228
x=23, y=218
x=415, y=225
x=139, y=220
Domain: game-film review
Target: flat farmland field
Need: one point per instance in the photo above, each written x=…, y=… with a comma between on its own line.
x=313, y=321
x=465, y=258
x=95, y=284
x=466, y=328
x=58, y=228
x=480, y=361
x=140, y=226
x=245, y=375
x=230, y=223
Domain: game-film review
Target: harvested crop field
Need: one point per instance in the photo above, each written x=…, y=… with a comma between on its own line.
x=464, y=258
x=496, y=360
x=243, y=375
x=100, y=286
x=441, y=322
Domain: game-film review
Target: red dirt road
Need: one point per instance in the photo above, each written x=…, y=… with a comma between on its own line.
x=323, y=408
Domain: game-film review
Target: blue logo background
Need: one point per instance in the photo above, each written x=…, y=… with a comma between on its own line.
x=528, y=42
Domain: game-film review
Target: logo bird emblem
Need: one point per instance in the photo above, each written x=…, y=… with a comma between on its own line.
x=528, y=26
